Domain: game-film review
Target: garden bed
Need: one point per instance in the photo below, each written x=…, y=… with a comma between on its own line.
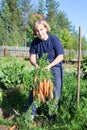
x=69, y=116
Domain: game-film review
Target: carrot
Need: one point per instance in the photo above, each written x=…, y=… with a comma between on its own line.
x=45, y=87
x=34, y=88
x=13, y=127
x=35, y=79
x=41, y=96
x=40, y=91
x=34, y=91
x=41, y=84
x=51, y=89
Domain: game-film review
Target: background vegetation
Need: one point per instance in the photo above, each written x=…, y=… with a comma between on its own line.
x=18, y=16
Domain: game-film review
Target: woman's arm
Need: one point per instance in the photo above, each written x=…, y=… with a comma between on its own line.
x=33, y=60
x=58, y=59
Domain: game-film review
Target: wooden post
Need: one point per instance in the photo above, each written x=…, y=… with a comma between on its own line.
x=79, y=64
x=4, y=52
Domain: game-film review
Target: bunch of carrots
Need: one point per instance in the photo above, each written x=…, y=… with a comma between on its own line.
x=44, y=89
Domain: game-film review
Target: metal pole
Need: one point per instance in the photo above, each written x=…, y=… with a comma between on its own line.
x=79, y=64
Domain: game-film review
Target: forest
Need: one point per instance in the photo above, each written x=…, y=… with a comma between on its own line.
x=17, y=18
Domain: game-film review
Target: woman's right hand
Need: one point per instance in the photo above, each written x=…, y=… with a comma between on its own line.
x=37, y=66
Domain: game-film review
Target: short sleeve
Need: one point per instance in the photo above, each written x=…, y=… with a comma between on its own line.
x=58, y=46
x=33, y=49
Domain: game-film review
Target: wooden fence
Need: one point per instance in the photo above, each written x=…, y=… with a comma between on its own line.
x=14, y=51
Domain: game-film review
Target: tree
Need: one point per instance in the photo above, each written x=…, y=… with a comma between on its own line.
x=17, y=18
x=6, y=16
x=63, y=22
x=26, y=10
x=11, y=26
x=5, y=24
x=41, y=7
x=66, y=39
x=15, y=13
x=2, y=32
x=52, y=9
x=75, y=38
x=56, y=18
x=84, y=43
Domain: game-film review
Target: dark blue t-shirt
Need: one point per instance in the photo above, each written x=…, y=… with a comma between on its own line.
x=52, y=46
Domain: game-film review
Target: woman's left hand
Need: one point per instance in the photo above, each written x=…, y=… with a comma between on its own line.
x=48, y=67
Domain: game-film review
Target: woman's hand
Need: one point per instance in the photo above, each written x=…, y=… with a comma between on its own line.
x=48, y=67
x=37, y=66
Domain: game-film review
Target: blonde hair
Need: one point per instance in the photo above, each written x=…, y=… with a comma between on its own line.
x=41, y=21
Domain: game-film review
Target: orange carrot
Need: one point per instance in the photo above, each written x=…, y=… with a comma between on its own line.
x=51, y=89
x=45, y=88
x=41, y=84
x=13, y=127
x=34, y=88
x=41, y=96
x=35, y=79
x=40, y=91
x=34, y=91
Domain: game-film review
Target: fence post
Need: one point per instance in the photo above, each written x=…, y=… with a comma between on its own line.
x=79, y=64
x=4, y=52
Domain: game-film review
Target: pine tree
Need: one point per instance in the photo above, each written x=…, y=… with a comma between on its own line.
x=52, y=7
x=15, y=13
x=5, y=24
x=2, y=32
x=26, y=9
x=6, y=16
x=41, y=7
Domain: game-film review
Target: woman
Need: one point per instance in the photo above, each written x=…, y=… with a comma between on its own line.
x=46, y=43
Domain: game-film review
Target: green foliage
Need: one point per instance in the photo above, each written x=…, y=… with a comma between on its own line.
x=74, y=36
x=15, y=14
x=1, y=96
x=41, y=8
x=2, y=33
x=84, y=43
x=69, y=115
x=52, y=9
x=18, y=16
x=6, y=17
x=66, y=39
x=43, y=73
x=11, y=74
x=10, y=17
x=63, y=21
x=84, y=67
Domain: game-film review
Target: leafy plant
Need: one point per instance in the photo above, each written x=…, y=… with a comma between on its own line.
x=84, y=67
x=12, y=74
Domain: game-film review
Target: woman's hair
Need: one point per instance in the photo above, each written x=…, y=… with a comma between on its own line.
x=41, y=21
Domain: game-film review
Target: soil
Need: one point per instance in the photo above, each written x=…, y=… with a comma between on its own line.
x=5, y=115
x=3, y=127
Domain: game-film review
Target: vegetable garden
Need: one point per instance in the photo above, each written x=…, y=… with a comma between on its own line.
x=16, y=80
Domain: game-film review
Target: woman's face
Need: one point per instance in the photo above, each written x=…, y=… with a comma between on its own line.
x=41, y=32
